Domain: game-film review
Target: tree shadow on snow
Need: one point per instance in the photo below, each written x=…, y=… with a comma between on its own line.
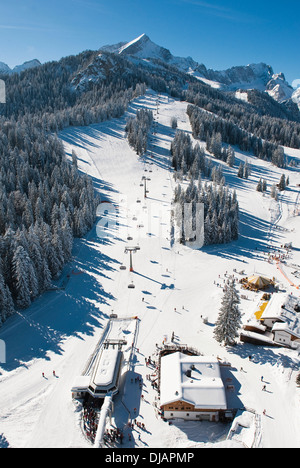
x=252, y=243
x=262, y=354
x=73, y=310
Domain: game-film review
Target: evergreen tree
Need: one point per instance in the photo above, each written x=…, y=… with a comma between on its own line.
x=278, y=158
x=259, y=186
x=74, y=159
x=241, y=170
x=264, y=185
x=6, y=302
x=174, y=123
x=246, y=170
x=274, y=192
x=282, y=183
x=229, y=319
x=216, y=145
x=230, y=157
x=24, y=278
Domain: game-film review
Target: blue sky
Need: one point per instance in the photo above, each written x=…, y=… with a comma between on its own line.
x=219, y=34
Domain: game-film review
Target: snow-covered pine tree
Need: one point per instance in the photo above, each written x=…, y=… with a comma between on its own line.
x=67, y=238
x=246, y=170
x=241, y=170
x=230, y=156
x=216, y=145
x=229, y=319
x=208, y=234
x=259, y=187
x=264, y=185
x=6, y=302
x=282, y=183
x=278, y=157
x=74, y=159
x=25, y=281
x=274, y=192
x=174, y=123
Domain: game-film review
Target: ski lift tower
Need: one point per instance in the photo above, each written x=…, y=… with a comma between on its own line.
x=144, y=178
x=131, y=250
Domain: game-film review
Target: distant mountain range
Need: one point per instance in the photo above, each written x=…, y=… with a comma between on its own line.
x=239, y=79
x=6, y=70
x=255, y=76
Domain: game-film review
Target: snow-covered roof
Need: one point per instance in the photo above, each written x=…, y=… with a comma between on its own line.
x=204, y=388
x=81, y=383
x=255, y=324
x=256, y=337
x=282, y=307
x=104, y=375
x=106, y=367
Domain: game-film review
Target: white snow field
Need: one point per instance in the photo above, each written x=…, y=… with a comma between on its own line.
x=174, y=287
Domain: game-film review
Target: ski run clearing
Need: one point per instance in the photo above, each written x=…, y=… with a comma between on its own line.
x=174, y=287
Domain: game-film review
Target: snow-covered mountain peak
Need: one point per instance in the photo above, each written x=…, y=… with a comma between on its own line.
x=278, y=88
x=5, y=69
x=142, y=47
x=26, y=65
x=296, y=97
x=258, y=76
x=240, y=77
x=261, y=69
x=137, y=42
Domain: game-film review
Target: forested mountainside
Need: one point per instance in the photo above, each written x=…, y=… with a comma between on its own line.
x=45, y=201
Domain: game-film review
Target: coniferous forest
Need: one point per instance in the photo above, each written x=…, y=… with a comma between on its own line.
x=138, y=129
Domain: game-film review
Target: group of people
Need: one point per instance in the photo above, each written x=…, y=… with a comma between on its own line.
x=113, y=436
x=149, y=362
x=278, y=254
x=90, y=421
x=53, y=373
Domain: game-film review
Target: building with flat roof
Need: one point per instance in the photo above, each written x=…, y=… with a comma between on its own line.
x=104, y=377
x=191, y=387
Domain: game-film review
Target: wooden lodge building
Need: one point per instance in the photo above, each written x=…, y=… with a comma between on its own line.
x=191, y=388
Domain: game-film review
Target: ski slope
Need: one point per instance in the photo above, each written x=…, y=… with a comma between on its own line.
x=174, y=287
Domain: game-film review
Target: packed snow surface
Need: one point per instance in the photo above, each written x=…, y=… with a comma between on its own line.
x=175, y=287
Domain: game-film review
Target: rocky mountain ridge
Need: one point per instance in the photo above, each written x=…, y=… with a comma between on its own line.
x=254, y=76
x=6, y=70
